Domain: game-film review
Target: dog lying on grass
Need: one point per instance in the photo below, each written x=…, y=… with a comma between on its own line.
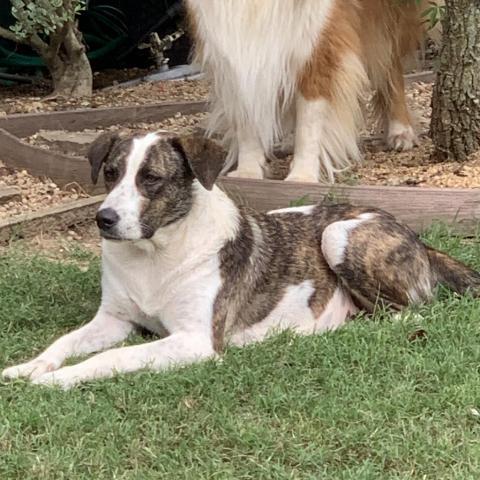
x=178, y=255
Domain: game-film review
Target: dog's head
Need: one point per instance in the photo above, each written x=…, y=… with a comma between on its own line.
x=150, y=180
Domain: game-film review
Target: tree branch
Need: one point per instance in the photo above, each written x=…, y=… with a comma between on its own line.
x=9, y=35
x=38, y=44
x=33, y=41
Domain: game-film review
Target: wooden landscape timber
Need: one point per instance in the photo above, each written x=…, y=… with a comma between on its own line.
x=418, y=207
x=62, y=217
x=26, y=124
x=9, y=194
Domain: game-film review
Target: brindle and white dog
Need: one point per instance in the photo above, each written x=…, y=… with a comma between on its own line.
x=178, y=255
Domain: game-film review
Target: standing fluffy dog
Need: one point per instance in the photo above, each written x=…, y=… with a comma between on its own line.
x=270, y=60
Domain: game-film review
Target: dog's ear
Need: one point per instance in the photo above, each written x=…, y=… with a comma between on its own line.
x=205, y=157
x=98, y=152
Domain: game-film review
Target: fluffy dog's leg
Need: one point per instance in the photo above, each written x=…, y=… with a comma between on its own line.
x=399, y=132
x=328, y=113
x=381, y=261
x=102, y=332
x=251, y=158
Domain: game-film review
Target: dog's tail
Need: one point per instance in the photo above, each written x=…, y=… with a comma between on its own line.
x=453, y=274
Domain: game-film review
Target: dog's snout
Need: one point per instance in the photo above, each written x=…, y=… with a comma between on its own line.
x=107, y=218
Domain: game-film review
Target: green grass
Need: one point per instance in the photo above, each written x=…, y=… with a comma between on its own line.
x=363, y=403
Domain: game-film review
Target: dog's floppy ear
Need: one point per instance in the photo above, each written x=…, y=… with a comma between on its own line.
x=204, y=157
x=98, y=152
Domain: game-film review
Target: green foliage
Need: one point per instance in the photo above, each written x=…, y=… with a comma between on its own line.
x=43, y=17
x=433, y=13
x=300, y=202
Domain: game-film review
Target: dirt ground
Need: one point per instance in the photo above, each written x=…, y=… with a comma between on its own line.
x=379, y=167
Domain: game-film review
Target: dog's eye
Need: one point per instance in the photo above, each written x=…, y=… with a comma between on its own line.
x=151, y=178
x=110, y=174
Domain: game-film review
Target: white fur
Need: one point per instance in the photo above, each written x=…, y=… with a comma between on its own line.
x=293, y=313
x=335, y=238
x=125, y=197
x=305, y=210
x=311, y=118
x=251, y=158
x=254, y=51
x=401, y=136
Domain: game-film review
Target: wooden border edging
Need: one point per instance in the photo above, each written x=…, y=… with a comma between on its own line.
x=61, y=217
x=418, y=207
x=26, y=124
x=425, y=76
x=62, y=169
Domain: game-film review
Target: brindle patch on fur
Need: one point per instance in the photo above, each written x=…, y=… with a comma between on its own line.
x=269, y=253
x=384, y=262
x=165, y=181
x=453, y=274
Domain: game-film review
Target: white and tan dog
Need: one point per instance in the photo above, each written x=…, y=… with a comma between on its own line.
x=179, y=256
x=274, y=61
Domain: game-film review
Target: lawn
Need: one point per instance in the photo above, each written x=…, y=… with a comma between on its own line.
x=383, y=398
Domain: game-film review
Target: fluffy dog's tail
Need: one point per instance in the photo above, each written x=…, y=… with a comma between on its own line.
x=453, y=274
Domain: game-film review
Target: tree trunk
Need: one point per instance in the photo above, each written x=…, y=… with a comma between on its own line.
x=455, y=127
x=69, y=66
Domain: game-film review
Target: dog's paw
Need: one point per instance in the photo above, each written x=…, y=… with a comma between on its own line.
x=247, y=173
x=63, y=378
x=401, y=137
x=32, y=369
x=301, y=177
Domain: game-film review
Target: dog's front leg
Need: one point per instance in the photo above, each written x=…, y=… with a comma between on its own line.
x=177, y=349
x=104, y=331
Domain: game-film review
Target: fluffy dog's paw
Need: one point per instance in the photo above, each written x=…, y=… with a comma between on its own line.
x=304, y=177
x=32, y=369
x=401, y=137
x=247, y=173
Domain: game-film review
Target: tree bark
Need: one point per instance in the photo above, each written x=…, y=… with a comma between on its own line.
x=455, y=126
x=69, y=66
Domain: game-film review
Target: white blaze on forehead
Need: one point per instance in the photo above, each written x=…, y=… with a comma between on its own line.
x=125, y=198
x=140, y=147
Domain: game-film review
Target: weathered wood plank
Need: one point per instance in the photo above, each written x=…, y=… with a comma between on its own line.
x=62, y=169
x=415, y=206
x=24, y=125
x=62, y=217
x=425, y=76
x=9, y=194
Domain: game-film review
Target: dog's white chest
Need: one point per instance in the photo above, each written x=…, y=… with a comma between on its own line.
x=176, y=292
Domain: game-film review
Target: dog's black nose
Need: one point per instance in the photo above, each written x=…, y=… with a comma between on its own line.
x=107, y=218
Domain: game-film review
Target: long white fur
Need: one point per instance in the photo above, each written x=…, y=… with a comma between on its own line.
x=254, y=52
